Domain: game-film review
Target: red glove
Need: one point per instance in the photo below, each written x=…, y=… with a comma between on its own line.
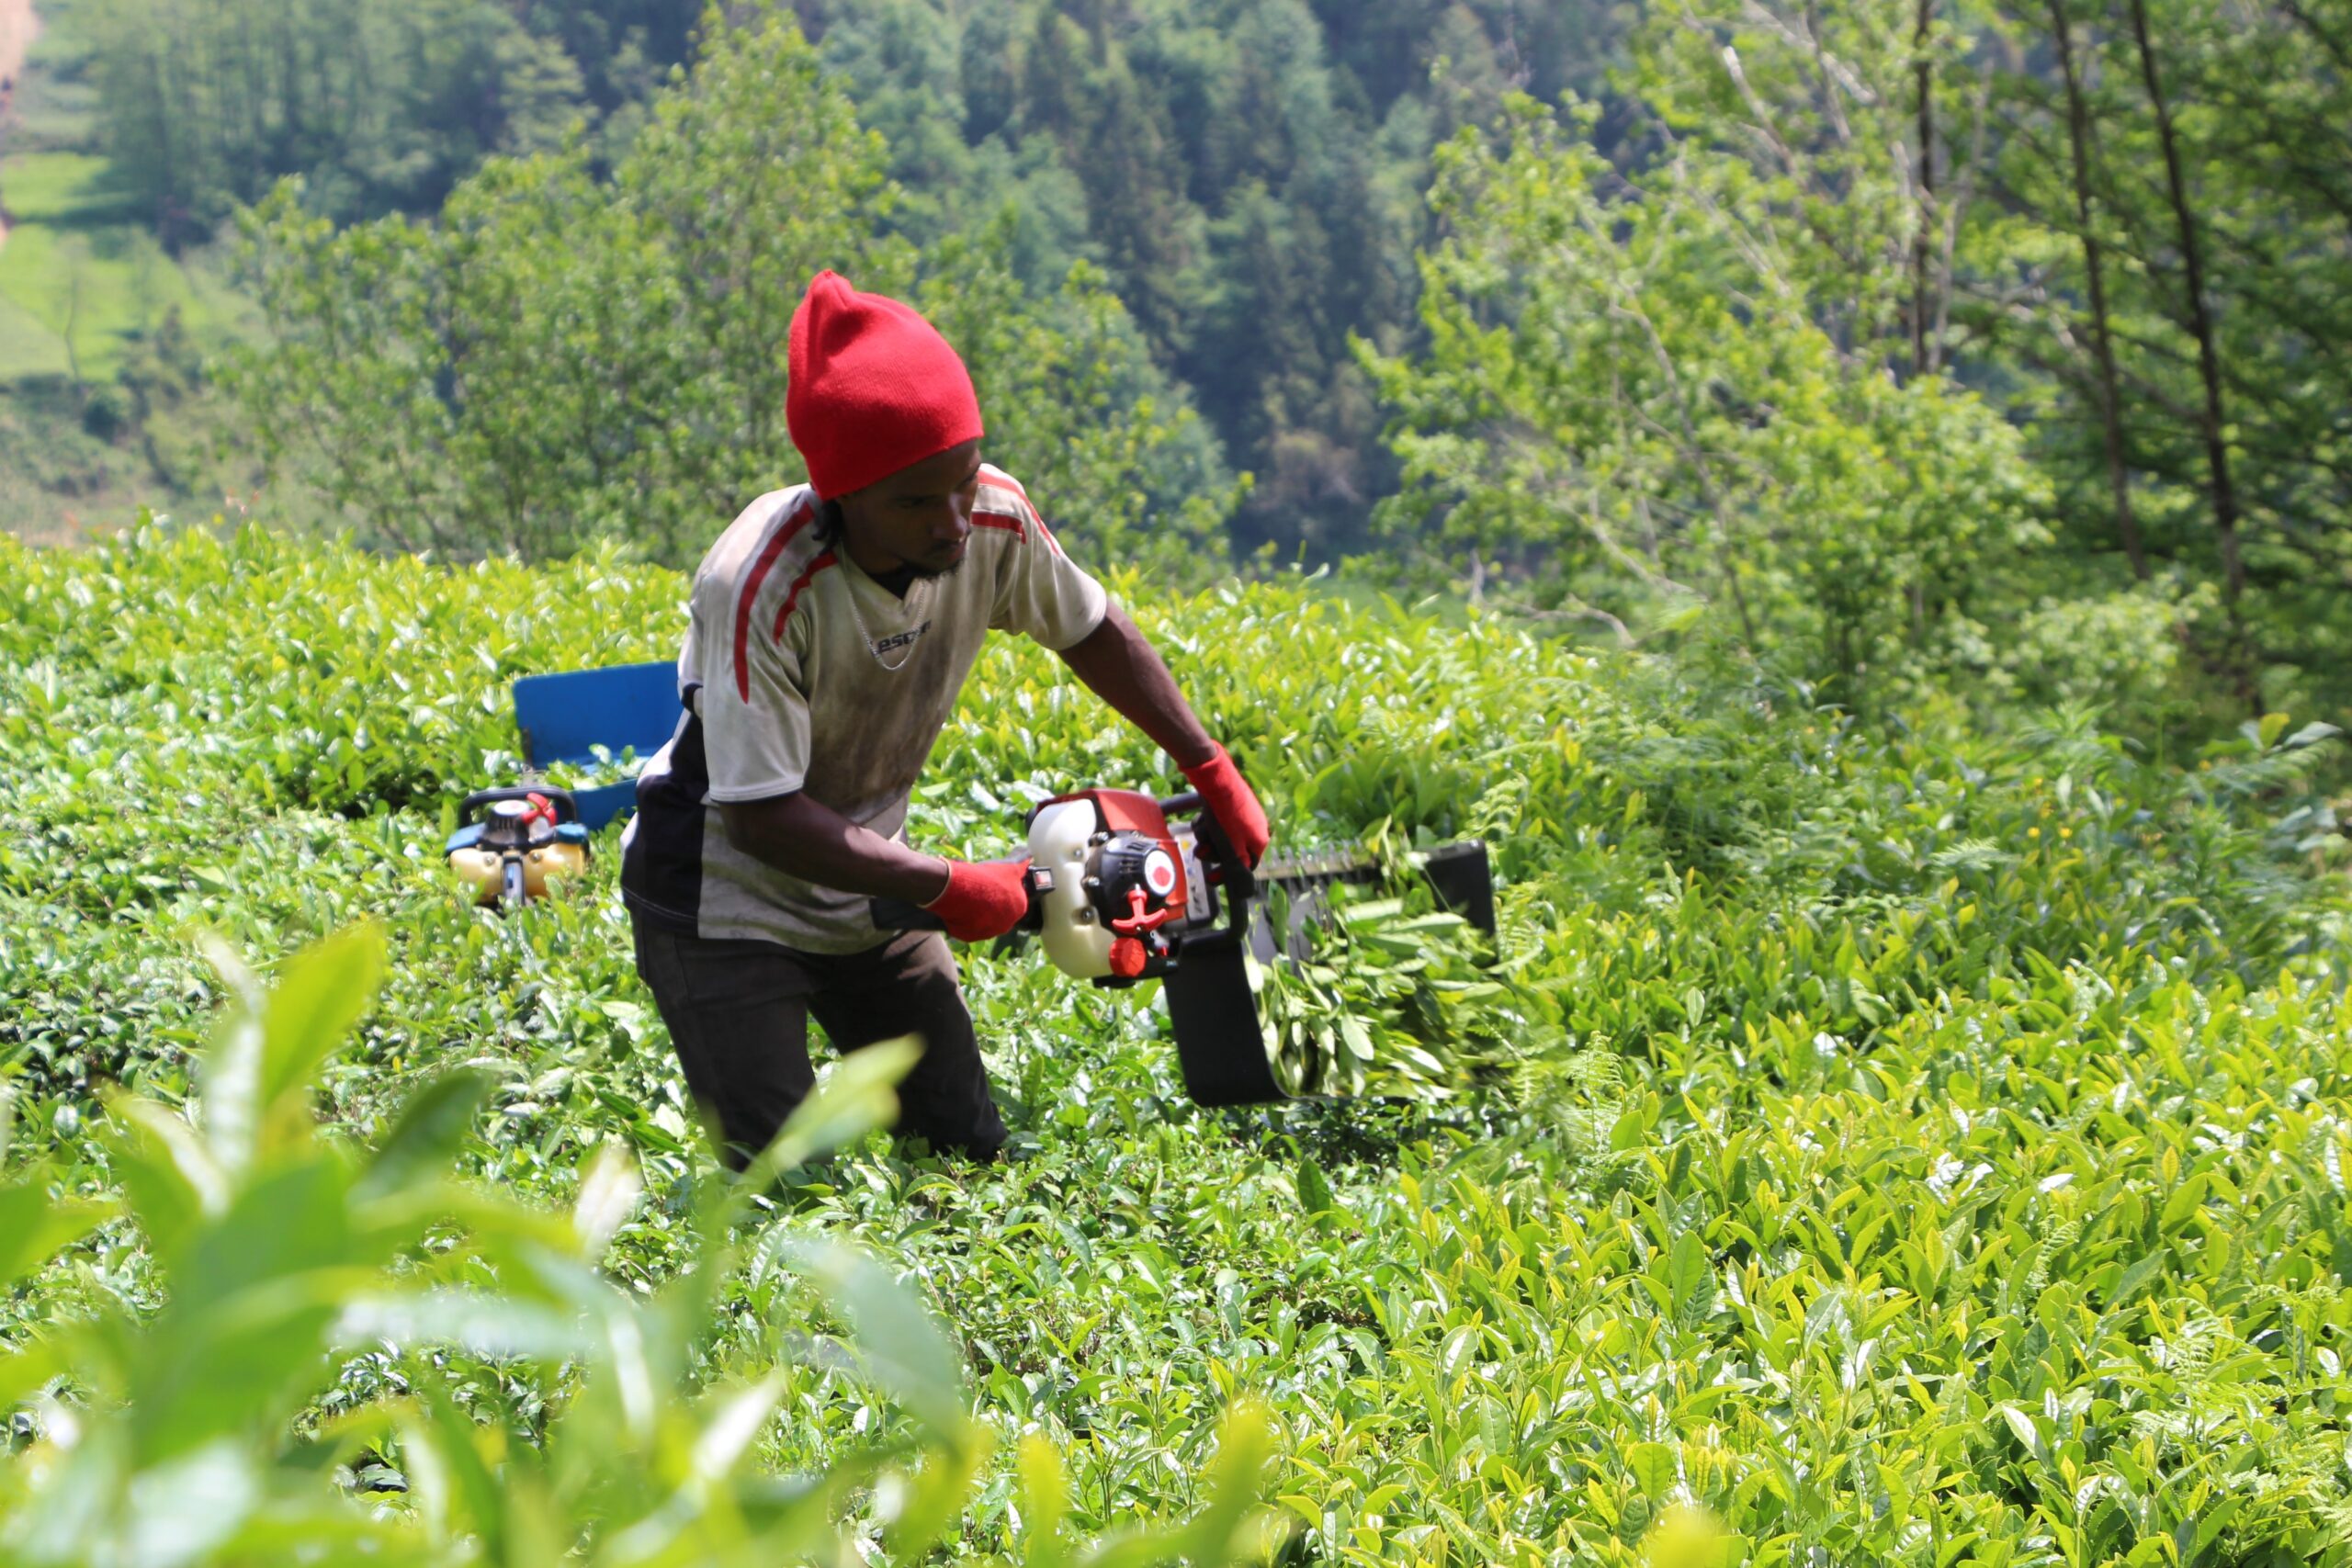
x=1236, y=810
x=984, y=898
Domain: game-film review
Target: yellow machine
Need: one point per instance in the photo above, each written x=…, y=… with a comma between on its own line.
x=523, y=842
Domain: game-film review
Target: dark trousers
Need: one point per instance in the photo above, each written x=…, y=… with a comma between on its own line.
x=738, y=1013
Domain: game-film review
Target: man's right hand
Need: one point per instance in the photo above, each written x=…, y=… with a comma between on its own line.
x=983, y=898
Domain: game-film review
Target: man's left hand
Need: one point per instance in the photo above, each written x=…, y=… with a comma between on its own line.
x=1233, y=804
x=1126, y=671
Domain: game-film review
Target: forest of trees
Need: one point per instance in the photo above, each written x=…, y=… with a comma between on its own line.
x=2004, y=344
x=1249, y=172
x=563, y=358
x=1247, y=175
x=381, y=104
x=2011, y=343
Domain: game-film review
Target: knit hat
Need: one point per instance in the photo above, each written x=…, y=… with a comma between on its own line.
x=873, y=387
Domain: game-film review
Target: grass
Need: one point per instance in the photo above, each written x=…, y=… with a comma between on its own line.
x=55, y=105
x=56, y=188
x=77, y=257
x=53, y=473
x=76, y=254
x=74, y=272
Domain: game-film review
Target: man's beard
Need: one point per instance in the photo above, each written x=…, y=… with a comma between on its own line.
x=919, y=572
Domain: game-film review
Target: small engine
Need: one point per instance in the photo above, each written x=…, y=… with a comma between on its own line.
x=1106, y=875
x=521, y=840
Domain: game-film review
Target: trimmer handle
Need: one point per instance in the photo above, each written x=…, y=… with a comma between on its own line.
x=1218, y=862
x=565, y=811
x=1215, y=850
x=898, y=915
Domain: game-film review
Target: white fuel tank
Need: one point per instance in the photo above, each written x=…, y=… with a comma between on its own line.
x=1060, y=839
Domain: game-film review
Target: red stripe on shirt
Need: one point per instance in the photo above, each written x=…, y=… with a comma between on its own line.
x=991, y=475
x=792, y=595
x=1007, y=521
x=776, y=542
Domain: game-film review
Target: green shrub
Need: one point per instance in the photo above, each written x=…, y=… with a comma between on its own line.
x=163, y=1438
x=1911, y=1146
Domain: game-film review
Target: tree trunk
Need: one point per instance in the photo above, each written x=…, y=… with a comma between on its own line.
x=73, y=320
x=2237, y=658
x=167, y=169
x=1922, y=361
x=2127, y=526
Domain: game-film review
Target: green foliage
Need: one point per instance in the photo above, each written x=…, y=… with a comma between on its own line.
x=81, y=284
x=562, y=359
x=102, y=329
x=1707, y=337
x=1994, y=345
x=1919, y=1147
x=1395, y=999
x=1243, y=175
x=2253, y=109
x=1634, y=400
x=160, y=1435
x=1243, y=172
x=2127, y=652
x=1702, y=369
x=381, y=106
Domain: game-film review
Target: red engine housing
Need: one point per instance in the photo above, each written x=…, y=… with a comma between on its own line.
x=1134, y=877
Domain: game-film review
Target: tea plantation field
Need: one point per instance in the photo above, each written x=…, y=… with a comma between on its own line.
x=1892, y=1146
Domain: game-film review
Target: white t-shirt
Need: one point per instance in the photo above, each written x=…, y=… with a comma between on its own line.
x=800, y=672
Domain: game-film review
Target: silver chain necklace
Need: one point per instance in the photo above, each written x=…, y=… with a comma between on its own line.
x=921, y=583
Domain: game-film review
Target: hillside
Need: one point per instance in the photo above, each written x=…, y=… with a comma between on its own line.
x=2001, y=361
x=102, y=328
x=1915, y=1146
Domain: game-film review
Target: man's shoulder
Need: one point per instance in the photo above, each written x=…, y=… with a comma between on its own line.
x=1003, y=508
x=1000, y=491
x=776, y=524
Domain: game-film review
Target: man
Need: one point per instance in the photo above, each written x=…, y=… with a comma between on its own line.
x=832, y=626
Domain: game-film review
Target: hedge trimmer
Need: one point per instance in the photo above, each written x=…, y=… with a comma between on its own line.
x=514, y=842
x=1124, y=888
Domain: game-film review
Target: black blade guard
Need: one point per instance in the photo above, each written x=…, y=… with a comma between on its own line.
x=1220, y=1043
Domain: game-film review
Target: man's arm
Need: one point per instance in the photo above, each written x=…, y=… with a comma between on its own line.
x=812, y=842
x=1125, y=671
x=1119, y=665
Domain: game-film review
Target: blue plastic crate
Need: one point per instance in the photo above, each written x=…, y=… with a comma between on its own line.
x=565, y=716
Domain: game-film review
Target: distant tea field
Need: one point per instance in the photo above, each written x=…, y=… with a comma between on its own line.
x=80, y=278
x=81, y=273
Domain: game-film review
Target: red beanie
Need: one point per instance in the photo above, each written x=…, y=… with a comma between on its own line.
x=873, y=387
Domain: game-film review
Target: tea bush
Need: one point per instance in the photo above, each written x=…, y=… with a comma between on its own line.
x=1909, y=1145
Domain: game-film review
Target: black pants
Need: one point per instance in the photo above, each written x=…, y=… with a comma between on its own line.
x=738, y=1013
